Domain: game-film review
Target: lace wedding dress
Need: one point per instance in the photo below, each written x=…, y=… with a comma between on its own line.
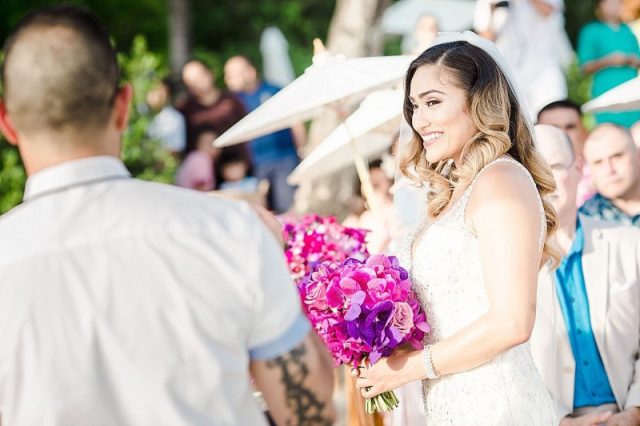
x=447, y=277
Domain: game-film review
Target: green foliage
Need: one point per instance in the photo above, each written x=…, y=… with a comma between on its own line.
x=231, y=27
x=579, y=86
x=124, y=18
x=12, y=177
x=144, y=157
x=577, y=14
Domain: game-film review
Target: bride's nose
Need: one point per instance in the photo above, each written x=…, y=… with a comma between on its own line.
x=420, y=122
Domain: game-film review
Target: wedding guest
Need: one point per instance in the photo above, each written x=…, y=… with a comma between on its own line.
x=235, y=172
x=380, y=220
x=613, y=159
x=531, y=35
x=273, y=156
x=567, y=115
x=208, y=105
x=124, y=302
x=197, y=169
x=586, y=339
x=608, y=49
x=167, y=125
x=424, y=32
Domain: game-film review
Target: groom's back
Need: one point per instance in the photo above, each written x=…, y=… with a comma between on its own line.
x=134, y=301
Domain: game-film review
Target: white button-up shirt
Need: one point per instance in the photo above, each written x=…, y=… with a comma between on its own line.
x=125, y=302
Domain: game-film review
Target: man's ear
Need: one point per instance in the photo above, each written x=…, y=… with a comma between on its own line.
x=122, y=105
x=6, y=126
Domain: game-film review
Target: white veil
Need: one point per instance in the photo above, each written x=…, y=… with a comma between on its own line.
x=491, y=49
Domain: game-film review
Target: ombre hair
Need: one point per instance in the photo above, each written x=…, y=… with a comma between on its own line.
x=502, y=130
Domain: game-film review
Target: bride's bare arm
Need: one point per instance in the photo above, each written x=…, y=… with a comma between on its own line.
x=504, y=213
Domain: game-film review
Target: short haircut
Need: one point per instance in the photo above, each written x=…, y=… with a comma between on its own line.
x=60, y=70
x=564, y=104
x=247, y=59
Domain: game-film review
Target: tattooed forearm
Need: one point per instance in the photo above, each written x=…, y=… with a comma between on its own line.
x=306, y=408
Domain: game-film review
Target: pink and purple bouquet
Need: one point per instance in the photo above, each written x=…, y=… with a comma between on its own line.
x=313, y=239
x=364, y=310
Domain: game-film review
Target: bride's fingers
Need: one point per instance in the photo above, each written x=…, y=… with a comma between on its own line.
x=363, y=382
x=369, y=392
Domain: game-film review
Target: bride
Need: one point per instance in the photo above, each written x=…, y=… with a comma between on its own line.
x=474, y=260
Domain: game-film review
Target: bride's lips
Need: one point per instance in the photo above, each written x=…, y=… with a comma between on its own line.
x=430, y=138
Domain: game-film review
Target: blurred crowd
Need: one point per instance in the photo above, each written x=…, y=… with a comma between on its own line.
x=531, y=35
x=188, y=126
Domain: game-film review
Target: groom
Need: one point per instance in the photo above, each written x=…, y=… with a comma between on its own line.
x=586, y=339
x=125, y=302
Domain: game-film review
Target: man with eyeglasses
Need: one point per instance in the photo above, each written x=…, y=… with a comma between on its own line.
x=586, y=339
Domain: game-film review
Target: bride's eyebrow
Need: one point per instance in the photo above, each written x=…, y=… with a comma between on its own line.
x=423, y=94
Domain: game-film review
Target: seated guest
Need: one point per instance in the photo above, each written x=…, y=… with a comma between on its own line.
x=197, y=170
x=567, y=115
x=586, y=337
x=613, y=159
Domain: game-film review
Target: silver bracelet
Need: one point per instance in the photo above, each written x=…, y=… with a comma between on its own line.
x=428, y=363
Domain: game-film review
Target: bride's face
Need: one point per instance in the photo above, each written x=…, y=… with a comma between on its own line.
x=440, y=113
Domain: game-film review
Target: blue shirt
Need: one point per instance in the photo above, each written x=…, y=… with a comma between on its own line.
x=602, y=208
x=591, y=387
x=275, y=146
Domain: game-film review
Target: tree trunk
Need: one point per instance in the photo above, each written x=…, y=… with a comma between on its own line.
x=353, y=33
x=179, y=33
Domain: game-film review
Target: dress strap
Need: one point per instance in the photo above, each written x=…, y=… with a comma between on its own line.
x=507, y=159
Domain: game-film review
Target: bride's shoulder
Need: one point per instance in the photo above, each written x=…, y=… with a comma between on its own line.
x=503, y=182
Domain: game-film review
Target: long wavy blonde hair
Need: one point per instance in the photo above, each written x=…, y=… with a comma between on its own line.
x=502, y=130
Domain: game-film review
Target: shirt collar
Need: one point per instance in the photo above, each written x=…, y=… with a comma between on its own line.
x=74, y=173
x=578, y=240
x=606, y=203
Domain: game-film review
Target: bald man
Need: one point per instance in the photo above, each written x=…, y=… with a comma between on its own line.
x=275, y=155
x=125, y=302
x=586, y=339
x=615, y=167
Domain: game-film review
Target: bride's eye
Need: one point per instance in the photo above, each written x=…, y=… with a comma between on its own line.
x=432, y=103
x=414, y=106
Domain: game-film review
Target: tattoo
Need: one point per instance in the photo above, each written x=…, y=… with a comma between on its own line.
x=306, y=408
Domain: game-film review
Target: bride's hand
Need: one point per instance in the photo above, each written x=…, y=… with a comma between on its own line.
x=403, y=366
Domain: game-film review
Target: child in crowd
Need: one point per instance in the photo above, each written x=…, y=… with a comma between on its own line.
x=197, y=171
x=235, y=174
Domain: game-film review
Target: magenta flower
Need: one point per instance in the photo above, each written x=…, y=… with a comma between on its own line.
x=312, y=239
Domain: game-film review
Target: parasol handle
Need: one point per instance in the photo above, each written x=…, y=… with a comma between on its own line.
x=363, y=173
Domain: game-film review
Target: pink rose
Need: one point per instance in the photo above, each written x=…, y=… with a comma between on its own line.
x=402, y=318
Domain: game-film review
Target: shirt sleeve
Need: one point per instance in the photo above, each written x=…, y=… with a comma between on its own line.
x=587, y=45
x=279, y=324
